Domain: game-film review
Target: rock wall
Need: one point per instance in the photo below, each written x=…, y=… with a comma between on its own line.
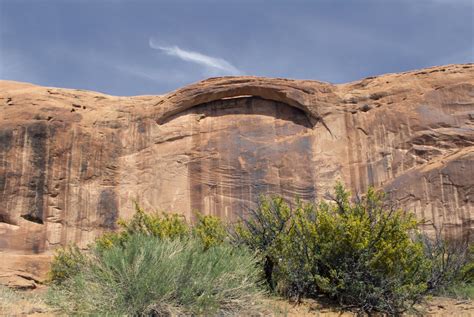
x=72, y=161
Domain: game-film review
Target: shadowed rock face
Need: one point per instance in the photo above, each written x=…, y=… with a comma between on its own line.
x=72, y=161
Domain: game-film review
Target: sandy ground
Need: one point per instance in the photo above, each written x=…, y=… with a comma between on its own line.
x=438, y=306
x=31, y=303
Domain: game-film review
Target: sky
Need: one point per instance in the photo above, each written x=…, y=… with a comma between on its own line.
x=149, y=47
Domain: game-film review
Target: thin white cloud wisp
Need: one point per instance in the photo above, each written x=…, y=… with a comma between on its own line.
x=213, y=63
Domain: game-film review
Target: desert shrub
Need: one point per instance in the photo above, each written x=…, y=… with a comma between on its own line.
x=263, y=230
x=361, y=254
x=162, y=225
x=110, y=239
x=153, y=276
x=165, y=225
x=452, y=265
x=467, y=270
x=210, y=230
x=66, y=262
x=365, y=254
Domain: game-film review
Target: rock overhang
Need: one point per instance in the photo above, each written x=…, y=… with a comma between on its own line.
x=302, y=95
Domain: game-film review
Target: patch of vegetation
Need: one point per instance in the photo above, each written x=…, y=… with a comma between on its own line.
x=66, y=263
x=452, y=272
x=210, y=230
x=364, y=254
x=147, y=275
x=361, y=253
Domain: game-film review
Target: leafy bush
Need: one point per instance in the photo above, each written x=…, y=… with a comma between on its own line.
x=109, y=239
x=360, y=254
x=66, y=263
x=166, y=225
x=153, y=276
x=210, y=230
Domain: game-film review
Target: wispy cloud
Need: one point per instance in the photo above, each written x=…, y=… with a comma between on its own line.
x=212, y=63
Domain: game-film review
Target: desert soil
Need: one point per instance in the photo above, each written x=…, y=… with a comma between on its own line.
x=31, y=303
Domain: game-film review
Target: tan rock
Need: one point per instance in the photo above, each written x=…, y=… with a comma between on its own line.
x=72, y=161
x=23, y=271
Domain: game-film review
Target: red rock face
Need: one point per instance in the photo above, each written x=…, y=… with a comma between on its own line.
x=238, y=150
x=72, y=161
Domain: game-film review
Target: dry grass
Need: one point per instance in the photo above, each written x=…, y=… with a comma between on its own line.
x=31, y=303
x=23, y=303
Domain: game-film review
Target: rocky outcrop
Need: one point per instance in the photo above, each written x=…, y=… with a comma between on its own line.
x=72, y=161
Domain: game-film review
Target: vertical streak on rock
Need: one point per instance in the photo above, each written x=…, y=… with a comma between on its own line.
x=362, y=160
x=37, y=134
x=81, y=207
x=235, y=154
x=219, y=169
x=67, y=186
x=107, y=209
x=25, y=153
x=250, y=174
x=279, y=187
x=6, y=139
x=349, y=128
x=228, y=176
x=211, y=165
x=195, y=169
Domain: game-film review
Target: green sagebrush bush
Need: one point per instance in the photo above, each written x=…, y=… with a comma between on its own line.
x=209, y=230
x=157, y=264
x=147, y=275
x=361, y=254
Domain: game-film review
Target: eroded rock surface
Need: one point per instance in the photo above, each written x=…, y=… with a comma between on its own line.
x=72, y=161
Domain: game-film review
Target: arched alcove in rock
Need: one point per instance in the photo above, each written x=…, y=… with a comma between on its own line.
x=219, y=157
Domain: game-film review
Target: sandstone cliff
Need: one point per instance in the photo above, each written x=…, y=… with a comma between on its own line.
x=72, y=161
